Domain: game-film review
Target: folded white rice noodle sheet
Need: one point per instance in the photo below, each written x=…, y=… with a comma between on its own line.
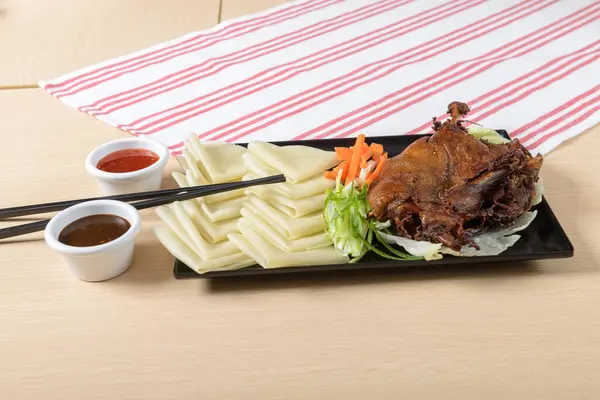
x=181, y=251
x=294, y=208
x=297, y=163
x=282, y=225
x=183, y=239
x=268, y=255
x=213, y=198
x=196, y=230
x=224, y=210
x=214, y=232
x=218, y=161
x=278, y=225
x=260, y=225
x=211, y=162
x=182, y=224
x=288, y=227
x=309, y=187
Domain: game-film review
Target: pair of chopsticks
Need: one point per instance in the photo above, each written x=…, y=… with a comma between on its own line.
x=152, y=199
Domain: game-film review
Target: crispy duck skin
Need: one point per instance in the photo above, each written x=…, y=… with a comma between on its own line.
x=451, y=186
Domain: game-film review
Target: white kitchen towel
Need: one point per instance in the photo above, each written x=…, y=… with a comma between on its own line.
x=334, y=68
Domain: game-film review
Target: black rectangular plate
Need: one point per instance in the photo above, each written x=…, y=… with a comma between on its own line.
x=543, y=239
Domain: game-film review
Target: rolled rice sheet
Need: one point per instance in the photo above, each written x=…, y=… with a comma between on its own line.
x=297, y=163
x=293, y=207
x=290, y=228
x=180, y=251
x=261, y=226
x=213, y=232
x=269, y=256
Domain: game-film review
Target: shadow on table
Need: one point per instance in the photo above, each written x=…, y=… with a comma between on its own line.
x=30, y=237
x=148, y=267
x=317, y=279
x=169, y=182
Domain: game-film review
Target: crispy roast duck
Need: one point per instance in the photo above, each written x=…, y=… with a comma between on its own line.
x=450, y=186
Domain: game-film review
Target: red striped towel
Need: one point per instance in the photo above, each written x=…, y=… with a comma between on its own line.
x=334, y=68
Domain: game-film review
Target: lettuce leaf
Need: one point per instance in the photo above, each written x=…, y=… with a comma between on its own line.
x=489, y=135
x=490, y=243
x=539, y=191
x=345, y=212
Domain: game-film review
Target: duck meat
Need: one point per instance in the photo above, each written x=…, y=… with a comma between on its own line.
x=449, y=187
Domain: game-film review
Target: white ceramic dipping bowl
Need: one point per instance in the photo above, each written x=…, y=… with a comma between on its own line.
x=102, y=262
x=146, y=179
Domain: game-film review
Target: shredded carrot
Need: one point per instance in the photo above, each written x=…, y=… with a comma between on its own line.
x=365, y=157
x=331, y=175
x=344, y=167
x=377, y=148
x=343, y=153
x=377, y=171
x=356, y=157
x=356, y=153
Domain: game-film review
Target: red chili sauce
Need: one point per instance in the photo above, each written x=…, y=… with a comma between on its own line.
x=94, y=230
x=127, y=160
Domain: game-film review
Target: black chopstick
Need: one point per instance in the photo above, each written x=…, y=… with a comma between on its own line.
x=61, y=205
x=177, y=195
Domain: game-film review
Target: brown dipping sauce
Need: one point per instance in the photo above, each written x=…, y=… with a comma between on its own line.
x=94, y=230
x=127, y=160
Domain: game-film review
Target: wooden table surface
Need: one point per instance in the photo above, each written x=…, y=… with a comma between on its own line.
x=522, y=331
x=42, y=39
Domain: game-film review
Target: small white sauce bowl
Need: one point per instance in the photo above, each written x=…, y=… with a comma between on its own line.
x=145, y=179
x=102, y=262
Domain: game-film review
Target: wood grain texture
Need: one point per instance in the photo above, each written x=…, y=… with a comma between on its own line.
x=527, y=331
x=237, y=8
x=42, y=39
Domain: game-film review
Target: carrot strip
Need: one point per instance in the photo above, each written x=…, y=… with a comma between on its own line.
x=356, y=157
x=334, y=172
x=364, y=159
x=377, y=148
x=356, y=153
x=377, y=171
x=344, y=167
x=331, y=175
x=367, y=155
x=343, y=153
